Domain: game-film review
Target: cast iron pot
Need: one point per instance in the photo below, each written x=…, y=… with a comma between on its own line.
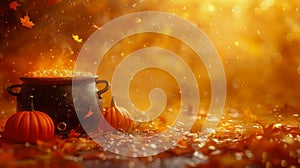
x=54, y=97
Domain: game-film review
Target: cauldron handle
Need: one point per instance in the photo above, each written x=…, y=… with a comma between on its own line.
x=10, y=89
x=104, y=89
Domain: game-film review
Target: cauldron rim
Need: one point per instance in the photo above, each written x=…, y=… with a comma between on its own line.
x=25, y=79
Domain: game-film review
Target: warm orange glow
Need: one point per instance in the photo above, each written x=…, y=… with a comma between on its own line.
x=257, y=40
x=49, y=73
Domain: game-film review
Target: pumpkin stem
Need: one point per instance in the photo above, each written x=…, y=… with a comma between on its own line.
x=31, y=103
x=112, y=103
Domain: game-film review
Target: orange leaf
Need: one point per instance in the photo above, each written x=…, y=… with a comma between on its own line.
x=26, y=21
x=96, y=26
x=76, y=38
x=14, y=5
x=53, y=2
x=73, y=134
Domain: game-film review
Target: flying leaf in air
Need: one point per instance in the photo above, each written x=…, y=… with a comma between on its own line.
x=14, y=5
x=26, y=21
x=96, y=26
x=76, y=38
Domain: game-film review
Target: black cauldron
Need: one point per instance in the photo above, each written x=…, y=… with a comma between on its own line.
x=54, y=97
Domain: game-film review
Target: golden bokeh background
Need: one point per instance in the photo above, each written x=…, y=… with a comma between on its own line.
x=257, y=40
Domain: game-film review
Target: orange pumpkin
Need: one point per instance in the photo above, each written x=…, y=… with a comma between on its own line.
x=117, y=117
x=29, y=126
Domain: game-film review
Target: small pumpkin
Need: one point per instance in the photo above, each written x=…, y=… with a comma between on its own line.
x=117, y=117
x=29, y=126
